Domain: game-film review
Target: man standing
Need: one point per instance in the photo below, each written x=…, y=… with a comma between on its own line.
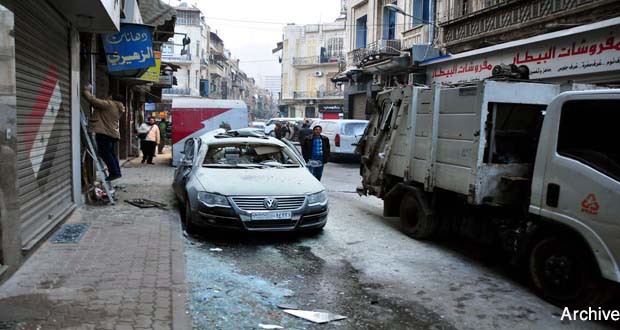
x=315, y=149
x=104, y=123
x=304, y=132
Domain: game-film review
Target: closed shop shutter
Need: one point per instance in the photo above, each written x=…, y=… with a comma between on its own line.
x=43, y=67
x=359, y=106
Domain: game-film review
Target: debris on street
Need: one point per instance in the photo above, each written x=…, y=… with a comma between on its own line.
x=70, y=233
x=287, y=306
x=145, y=203
x=215, y=250
x=269, y=326
x=316, y=317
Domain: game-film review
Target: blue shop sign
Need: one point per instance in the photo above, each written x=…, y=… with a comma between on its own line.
x=129, y=49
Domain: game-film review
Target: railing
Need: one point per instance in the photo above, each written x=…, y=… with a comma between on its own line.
x=176, y=58
x=177, y=91
x=204, y=61
x=379, y=47
x=332, y=94
x=316, y=60
x=305, y=95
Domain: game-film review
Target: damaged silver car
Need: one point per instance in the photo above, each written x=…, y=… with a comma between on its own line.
x=243, y=180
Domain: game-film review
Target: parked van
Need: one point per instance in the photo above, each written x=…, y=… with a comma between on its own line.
x=343, y=134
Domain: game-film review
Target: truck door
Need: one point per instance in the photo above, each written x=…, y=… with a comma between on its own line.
x=581, y=183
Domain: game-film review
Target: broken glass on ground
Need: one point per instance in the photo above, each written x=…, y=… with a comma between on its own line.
x=145, y=203
x=316, y=317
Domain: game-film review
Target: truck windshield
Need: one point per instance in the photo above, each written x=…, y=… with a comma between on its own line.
x=588, y=134
x=249, y=156
x=354, y=129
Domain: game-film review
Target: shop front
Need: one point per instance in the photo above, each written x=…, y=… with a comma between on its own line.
x=331, y=111
x=585, y=54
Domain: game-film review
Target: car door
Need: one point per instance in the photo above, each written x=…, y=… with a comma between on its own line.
x=581, y=183
x=185, y=167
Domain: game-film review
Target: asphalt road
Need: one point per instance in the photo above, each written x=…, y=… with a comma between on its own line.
x=361, y=267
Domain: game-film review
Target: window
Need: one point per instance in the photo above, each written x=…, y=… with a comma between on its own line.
x=354, y=129
x=186, y=17
x=588, y=134
x=360, y=32
x=421, y=12
x=249, y=155
x=389, y=24
x=334, y=48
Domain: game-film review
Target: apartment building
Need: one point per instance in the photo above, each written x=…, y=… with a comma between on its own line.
x=188, y=49
x=311, y=56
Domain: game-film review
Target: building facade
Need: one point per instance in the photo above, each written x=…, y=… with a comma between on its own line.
x=191, y=56
x=46, y=171
x=311, y=56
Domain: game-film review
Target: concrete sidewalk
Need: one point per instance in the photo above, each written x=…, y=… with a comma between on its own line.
x=127, y=272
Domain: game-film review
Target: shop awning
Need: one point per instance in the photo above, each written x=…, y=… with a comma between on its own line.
x=155, y=12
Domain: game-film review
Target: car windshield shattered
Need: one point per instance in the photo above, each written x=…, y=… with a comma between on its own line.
x=249, y=156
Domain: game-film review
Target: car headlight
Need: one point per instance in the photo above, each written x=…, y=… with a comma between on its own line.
x=318, y=198
x=213, y=200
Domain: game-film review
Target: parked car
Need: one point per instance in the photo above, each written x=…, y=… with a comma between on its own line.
x=244, y=180
x=271, y=124
x=343, y=134
x=258, y=124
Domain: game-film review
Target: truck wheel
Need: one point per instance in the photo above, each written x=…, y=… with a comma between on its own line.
x=414, y=222
x=566, y=274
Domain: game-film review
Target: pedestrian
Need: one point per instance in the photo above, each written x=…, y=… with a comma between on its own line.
x=162, y=136
x=315, y=150
x=285, y=131
x=149, y=139
x=104, y=123
x=304, y=132
x=277, y=131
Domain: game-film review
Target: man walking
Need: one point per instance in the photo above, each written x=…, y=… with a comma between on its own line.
x=104, y=123
x=315, y=149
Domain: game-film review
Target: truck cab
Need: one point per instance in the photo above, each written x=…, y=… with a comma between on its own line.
x=576, y=189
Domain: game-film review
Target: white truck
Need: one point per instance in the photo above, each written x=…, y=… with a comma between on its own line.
x=517, y=164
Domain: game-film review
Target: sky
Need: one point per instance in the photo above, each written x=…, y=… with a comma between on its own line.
x=252, y=42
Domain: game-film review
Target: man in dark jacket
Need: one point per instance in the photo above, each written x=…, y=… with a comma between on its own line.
x=315, y=149
x=304, y=132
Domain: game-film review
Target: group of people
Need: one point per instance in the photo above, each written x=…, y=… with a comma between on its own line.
x=104, y=123
x=314, y=146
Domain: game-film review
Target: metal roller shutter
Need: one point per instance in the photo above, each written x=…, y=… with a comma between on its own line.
x=43, y=67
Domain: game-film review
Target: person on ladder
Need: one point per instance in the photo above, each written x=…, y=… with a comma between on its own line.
x=104, y=123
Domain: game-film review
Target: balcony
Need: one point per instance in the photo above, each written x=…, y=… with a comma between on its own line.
x=177, y=91
x=204, y=62
x=172, y=58
x=311, y=61
x=376, y=51
x=331, y=94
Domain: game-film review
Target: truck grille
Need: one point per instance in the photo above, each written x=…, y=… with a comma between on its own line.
x=257, y=203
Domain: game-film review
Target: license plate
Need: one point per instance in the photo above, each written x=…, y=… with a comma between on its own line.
x=271, y=216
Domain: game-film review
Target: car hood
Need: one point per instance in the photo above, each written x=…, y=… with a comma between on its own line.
x=259, y=182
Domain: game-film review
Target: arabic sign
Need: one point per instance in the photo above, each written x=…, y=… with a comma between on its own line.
x=571, y=55
x=330, y=108
x=129, y=49
x=152, y=74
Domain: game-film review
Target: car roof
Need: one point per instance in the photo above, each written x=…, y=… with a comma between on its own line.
x=220, y=136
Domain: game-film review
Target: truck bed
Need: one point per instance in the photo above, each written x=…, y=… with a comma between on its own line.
x=471, y=139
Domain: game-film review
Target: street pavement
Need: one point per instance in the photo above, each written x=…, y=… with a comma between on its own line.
x=361, y=267
x=135, y=269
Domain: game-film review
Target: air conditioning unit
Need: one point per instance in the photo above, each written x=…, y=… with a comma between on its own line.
x=318, y=73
